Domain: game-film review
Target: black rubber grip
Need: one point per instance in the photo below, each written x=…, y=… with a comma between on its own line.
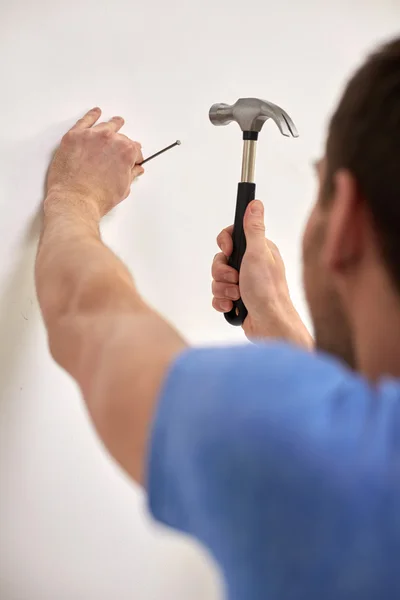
x=250, y=135
x=246, y=193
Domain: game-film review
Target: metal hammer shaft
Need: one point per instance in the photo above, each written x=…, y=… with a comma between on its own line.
x=249, y=161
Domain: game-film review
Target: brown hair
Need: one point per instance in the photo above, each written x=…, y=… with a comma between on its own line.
x=364, y=137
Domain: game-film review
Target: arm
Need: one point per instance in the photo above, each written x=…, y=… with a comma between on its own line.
x=99, y=328
x=263, y=285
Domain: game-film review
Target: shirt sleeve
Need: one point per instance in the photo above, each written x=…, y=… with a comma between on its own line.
x=257, y=444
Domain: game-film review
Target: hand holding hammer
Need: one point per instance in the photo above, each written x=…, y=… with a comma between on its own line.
x=250, y=114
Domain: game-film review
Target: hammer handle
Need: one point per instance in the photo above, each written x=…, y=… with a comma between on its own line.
x=246, y=193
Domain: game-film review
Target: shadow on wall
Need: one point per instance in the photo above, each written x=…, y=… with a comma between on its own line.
x=25, y=166
x=18, y=307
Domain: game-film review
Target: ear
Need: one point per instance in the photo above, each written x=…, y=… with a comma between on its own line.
x=344, y=240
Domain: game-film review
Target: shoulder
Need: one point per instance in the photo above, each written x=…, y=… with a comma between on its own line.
x=274, y=398
x=213, y=397
x=279, y=366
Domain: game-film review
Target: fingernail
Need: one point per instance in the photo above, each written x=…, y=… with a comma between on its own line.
x=226, y=306
x=232, y=292
x=256, y=208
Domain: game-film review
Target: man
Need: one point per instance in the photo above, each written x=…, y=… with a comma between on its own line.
x=283, y=462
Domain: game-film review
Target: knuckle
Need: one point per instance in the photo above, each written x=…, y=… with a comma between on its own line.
x=138, y=151
x=258, y=226
x=217, y=266
x=216, y=305
x=106, y=133
x=219, y=273
x=69, y=137
x=215, y=289
x=129, y=148
x=222, y=308
x=127, y=152
x=124, y=143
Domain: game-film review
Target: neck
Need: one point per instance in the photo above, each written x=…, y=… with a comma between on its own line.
x=376, y=327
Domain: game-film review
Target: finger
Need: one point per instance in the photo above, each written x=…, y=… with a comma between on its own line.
x=221, y=271
x=134, y=148
x=222, y=306
x=222, y=291
x=225, y=242
x=137, y=171
x=139, y=156
x=254, y=227
x=87, y=120
x=113, y=125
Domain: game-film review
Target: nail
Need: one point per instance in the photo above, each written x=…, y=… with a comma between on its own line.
x=256, y=208
x=226, y=306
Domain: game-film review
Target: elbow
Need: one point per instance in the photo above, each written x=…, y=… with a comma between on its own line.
x=68, y=345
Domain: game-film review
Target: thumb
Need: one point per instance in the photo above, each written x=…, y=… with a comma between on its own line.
x=254, y=227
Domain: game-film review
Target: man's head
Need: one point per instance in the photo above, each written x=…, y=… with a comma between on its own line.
x=352, y=241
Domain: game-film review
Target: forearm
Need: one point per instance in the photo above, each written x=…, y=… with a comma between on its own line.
x=102, y=332
x=76, y=274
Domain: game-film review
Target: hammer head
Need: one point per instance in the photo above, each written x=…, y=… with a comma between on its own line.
x=251, y=113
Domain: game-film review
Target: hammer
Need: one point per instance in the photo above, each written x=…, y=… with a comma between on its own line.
x=250, y=114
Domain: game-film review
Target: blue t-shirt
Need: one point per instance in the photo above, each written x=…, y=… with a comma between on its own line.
x=286, y=466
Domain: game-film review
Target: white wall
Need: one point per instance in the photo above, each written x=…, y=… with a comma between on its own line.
x=71, y=526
